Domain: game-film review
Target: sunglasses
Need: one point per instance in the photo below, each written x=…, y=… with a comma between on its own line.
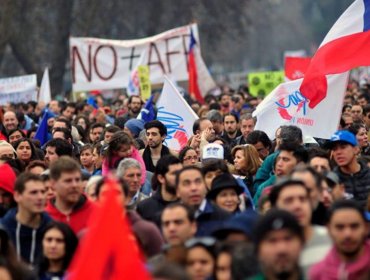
x=205, y=241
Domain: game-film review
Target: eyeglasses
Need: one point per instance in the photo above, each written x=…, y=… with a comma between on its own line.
x=205, y=241
x=189, y=158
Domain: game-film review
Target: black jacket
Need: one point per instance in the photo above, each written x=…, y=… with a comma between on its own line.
x=151, y=208
x=357, y=184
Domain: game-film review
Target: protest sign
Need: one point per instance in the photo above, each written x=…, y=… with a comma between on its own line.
x=18, y=89
x=107, y=64
x=262, y=83
x=144, y=80
x=176, y=114
x=287, y=106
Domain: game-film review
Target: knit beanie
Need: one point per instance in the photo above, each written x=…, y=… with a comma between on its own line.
x=276, y=219
x=7, y=178
x=135, y=126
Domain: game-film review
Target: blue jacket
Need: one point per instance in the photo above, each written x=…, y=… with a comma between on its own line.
x=210, y=219
x=26, y=240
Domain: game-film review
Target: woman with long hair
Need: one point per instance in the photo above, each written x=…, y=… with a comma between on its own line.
x=9, y=260
x=26, y=150
x=59, y=244
x=246, y=163
x=188, y=156
x=121, y=146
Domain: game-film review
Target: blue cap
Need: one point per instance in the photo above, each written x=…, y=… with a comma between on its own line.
x=342, y=136
x=367, y=216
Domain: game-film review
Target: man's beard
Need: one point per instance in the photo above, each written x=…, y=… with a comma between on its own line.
x=170, y=189
x=136, y=111
x=155, y=145
x=231, y=132
x=353, y=253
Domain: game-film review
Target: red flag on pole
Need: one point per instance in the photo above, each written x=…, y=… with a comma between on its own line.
x=194, y=90
x=108, y=250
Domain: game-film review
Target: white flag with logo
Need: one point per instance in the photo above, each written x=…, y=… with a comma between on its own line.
x=176, y=114
x=285, y=105
x=45, y=94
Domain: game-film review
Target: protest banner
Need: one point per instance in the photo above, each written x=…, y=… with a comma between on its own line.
x=262, y=83
x=287, y=106
x=107, y=64
x=18, y=89
x=144, y=80
x=176, y=114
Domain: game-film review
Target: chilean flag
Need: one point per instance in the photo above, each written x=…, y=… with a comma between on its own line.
x=193, y=73
x=296, y=67
x=346, y=46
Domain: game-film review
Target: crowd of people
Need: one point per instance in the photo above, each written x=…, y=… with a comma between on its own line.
x=231, y=204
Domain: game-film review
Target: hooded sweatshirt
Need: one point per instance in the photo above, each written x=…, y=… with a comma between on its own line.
x=332, y=267
x=27, y=240
x=79, y=217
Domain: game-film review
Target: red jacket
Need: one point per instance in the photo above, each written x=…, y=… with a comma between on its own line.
x=79, y=217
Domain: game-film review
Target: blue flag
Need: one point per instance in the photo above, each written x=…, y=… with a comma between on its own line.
x=42, y=130
x=92, y=102
x=147, y=114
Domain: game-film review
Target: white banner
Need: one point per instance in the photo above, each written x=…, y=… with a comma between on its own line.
x=99, y=64
x=176, y=114
x=285, y=105
x=18, y=89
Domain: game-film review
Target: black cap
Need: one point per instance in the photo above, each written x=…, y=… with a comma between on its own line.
x=276, y=219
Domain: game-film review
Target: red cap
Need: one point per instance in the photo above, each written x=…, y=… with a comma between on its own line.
x=7, y=178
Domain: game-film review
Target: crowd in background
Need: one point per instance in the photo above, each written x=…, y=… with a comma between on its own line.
x=231, y=204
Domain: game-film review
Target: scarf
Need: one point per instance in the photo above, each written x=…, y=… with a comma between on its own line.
x=147, y=156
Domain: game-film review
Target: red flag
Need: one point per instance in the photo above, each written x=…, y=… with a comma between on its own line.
x=295, y=67
x=193, y=73
x=108, y=250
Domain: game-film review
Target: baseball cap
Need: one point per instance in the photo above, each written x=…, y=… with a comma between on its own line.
x=332, y=178
x=342, y=136
x=213, y=151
